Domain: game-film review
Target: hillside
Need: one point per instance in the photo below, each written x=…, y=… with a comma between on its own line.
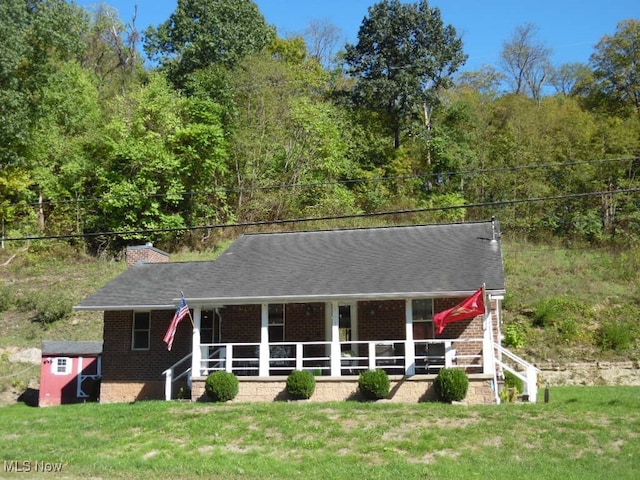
x=561, y=302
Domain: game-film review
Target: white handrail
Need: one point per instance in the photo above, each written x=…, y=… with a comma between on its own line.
x=169, y=379
x=530, y=377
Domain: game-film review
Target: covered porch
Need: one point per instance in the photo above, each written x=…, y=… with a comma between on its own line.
x=350, y=337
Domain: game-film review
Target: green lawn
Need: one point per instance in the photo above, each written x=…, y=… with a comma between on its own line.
x=583, y=432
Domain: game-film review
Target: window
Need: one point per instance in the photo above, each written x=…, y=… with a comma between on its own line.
x=276, y=322
x=141, y=331
x=61, y=366
x=423, y=319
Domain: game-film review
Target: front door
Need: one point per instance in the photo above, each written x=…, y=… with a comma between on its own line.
x=348, y=327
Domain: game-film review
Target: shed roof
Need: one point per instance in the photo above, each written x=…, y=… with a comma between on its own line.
x=55, y=347
x=391, y=262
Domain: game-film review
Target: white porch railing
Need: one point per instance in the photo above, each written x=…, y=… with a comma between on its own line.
x=521, y=369
x=170, y=376
x=428, y=357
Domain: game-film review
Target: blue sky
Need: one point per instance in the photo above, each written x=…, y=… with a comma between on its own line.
x=571, y=28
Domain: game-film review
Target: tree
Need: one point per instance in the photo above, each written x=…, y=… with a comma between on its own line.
x=404, y=56
x=201, y=33
x=322, y=40
x=526, y=61
x=565, y=78
x=615, y=64
x=35, y=37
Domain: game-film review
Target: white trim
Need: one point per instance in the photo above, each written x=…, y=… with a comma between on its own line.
x=222, y=301
x=68, y=366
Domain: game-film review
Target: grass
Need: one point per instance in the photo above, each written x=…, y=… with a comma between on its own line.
x=584, y=432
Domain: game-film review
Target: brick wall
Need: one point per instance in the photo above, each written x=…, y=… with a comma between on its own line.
x=381, y=320
x=121, y=363
x=241, y=323
x=304, y=322
x=145, y=254
x=403, y=390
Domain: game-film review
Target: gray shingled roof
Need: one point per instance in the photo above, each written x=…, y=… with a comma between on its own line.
x=53, y=347
x=393, y=262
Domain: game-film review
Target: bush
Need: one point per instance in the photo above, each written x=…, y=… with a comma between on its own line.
x=221, y=386
x=374, y=384
x=515, y=335
x=512, y=381
x=620, y=331
x=451, y=385
x=301, y=384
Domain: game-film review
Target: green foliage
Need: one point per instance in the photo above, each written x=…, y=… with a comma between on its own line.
x=48, y=307
x=7, y=297
x=374, y=384
x=301, y=384
x=202, y=33
x=451, y=385
x=515, y=335
x=222, y=386
x=404, y=55
x=512, y=381
x=620, y=331
x=616, y=76
x=566, y=315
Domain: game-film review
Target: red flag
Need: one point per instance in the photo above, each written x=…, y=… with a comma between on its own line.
x=469, y=308
x=181, y=312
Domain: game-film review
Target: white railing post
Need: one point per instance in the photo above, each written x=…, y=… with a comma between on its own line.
x=372, y=355
x=409, y=345
x=168, y=380
x=228, y=361
x=336, y=362
x=196, y=358
x=263, y=360
x=449, y=354
x=299, y=352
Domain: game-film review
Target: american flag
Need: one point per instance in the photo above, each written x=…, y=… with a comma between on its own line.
x=181, y=312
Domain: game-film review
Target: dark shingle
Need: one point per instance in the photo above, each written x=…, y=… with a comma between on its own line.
x=52, y=347
x=426, y=260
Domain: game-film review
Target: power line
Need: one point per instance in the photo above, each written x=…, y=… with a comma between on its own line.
x=362, y=180
x=327, y=218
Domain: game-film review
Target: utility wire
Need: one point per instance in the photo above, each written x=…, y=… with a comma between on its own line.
x=362, y=180
x=327, y=218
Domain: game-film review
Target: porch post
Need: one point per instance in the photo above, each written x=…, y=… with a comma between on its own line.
x=409, y=346
x=488, y=353
x=196, y=358
x=263, y=369
x=335, y=339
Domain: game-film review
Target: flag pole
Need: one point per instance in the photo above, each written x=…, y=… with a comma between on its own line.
x=193, y=325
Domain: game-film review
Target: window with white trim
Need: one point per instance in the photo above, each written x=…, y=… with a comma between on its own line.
x=423, y=319
x=61, y=366
x=141, y=331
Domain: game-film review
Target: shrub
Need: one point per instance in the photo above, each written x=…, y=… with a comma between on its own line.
x=451, y=385
x=552, y=311
x=512, y=381
x=301, y=384
x=515, y=335
x=221, y=386
x=620, y=330
x=374, y=384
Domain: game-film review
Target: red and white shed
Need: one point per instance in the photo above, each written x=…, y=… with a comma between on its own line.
x=69, y=372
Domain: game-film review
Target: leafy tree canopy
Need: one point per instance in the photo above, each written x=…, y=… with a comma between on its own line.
x=404, y=56
x=202, y=33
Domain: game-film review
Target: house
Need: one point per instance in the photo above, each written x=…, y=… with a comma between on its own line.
x=334, y=302
x=69, y=372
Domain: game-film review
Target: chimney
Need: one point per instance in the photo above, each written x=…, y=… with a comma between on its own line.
x=146, y=253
